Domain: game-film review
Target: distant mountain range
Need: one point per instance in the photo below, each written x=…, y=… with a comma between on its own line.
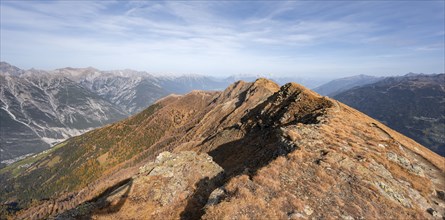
x=41, y=108
x=413, y=104
x=336, y=86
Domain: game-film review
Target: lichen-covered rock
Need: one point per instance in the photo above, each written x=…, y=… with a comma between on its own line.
x=215, y=197
x=176, y=174
x=393, y=194
x=308, y=210
x=433, y=212
x=165, y=187
x=405, y=163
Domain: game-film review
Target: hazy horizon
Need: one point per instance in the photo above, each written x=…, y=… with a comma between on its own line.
x=282, y=39
x=322, y=78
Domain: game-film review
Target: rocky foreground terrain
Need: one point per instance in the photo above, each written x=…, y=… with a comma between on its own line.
x=253, y=151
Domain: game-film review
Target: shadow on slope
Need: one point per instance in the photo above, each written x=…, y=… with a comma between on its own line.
x=263, y=141
x=100, y=204
x=244, y=156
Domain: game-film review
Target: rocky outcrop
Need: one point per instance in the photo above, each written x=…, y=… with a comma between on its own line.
x=173, y=176
x=161, y=190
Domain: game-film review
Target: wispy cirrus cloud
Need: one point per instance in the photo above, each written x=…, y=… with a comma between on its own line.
x=231, y=37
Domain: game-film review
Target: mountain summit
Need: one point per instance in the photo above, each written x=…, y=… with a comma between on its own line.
x=252, y=151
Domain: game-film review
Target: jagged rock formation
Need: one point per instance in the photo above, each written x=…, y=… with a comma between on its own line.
x=286, y=153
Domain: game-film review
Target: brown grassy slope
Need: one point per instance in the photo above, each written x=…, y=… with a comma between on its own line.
x=286, y=153
x=343, y=166
x=297, y=155
x=81, y=163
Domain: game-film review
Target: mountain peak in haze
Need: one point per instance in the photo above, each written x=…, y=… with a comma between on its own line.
x=9, y=69
x=339, y=85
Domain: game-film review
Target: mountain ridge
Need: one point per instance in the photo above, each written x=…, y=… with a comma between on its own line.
x=324, y=150
x=118, y=93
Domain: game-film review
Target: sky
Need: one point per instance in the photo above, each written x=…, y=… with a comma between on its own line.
x=279, y=38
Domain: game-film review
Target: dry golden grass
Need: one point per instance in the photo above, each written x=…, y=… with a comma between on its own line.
x=334, y=170
x=333, y=177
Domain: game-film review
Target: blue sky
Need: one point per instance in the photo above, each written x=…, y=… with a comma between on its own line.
x=286, y=38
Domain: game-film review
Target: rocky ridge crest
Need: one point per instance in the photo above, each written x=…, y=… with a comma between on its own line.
x=286, y=152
